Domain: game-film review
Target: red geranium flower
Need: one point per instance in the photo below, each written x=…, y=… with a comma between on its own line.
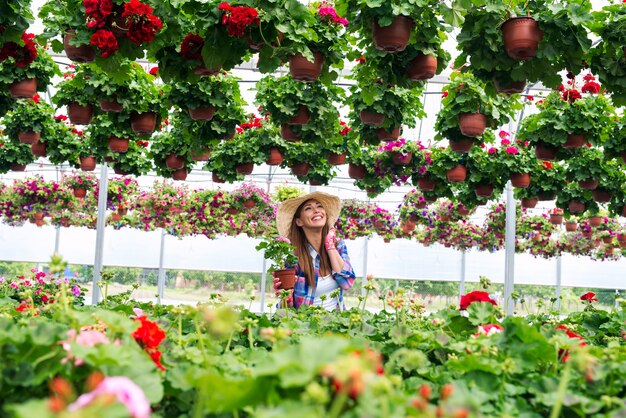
x=154, y=71
x=105, y=41
x=547, y=165
x=571, y=95
x=591, y=87
x=475, y=296
x=23, y=55
x=142, y=24
x=238, y=18
x=148, y=335
x=191, y=47
x=97, y=12
x=589, y=297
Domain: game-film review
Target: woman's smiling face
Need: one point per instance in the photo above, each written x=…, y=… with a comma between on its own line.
x=312, y=215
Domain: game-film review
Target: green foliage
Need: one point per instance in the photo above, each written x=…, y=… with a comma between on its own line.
x=43, y=68
x=15, y=17
x=78, y=86
x=279, y=250
x=221, y=91
x=29, y=115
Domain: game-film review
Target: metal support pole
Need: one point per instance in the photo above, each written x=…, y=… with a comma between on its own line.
x=57, y=233
x=509, y=258
x=462, y=282
x=365, y=248
x=264, y=268
x=161, y=275
x=100, y=224
x=558, y=277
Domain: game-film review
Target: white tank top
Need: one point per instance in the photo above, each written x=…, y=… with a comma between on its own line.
x=325, y=285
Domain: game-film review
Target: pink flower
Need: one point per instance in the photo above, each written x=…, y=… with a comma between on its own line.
x=503, y=134
x=125, y=390
x=489, y=330
x=492, y=150
x=511, y=150
x=505, y=142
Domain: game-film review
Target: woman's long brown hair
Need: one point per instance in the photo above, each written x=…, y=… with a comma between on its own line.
x=298, y=239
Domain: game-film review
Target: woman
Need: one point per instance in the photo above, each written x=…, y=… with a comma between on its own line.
x=323, y=263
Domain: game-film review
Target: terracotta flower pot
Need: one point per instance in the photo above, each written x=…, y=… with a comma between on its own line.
x=244, y=168
x=521, y=37
x=39, y=149
x=607, y=240
x=288, y=134
x=300, y=169
x=575, y=206
x=529, y=202
x=484, y=190
x=119, y=171
x=79, y=114
x=180, y=174
x=203, y=71
x=116, y=217
x=556, y=219
x=472, y=124
x=175, y=162
x=426, y=184
x=457, y=174
x=356, y=171
x=623, y=156
x=216, y=179
x=336, y=159
x=202, y=113
x=520, y=180
x=587, y=234
x=571, y=226
x=595, y=221
x=383, y=135
x=371, y=118
x=423, y=67
x=287, y=278
x=79, y=192
x=401, y=159
x=545, y=152
x=301, y=117
x=118, y=144
x=574, y=141
x=249, y=203
x=110, y=106
x=24, y=89
x=392, y=38
x=201, y=157
x=589, y=184
x=81, y=53
x=315, y=183
x=143, y=123
x=88, y=163
x=462, y=146
x=514, y=87
x=601, y=196
x=462, y=211
x=302, y=69
x=275, y=157
x=28, y=137
x=431, y=198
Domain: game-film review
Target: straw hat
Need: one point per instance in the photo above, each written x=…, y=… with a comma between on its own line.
x=287, y=209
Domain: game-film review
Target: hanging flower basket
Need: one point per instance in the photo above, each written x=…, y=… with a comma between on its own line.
x=201, y=157
x=28, y=137
x=275, y=157
x=520, y=180
x=574, y=141
x=203, y=71
x=120, y=171
x=529, y=202
x=392, y=38
x=400, y=158
x=514, y=87
x=483, y=190
x=17, y=167
x=300, y=169
x=457, y=174
x=571, y=226
x=383, y=135
x=202, y=113
x=175, y=162
x=546, y=196
x=300, y=118
x=80, y=115
x=79, y=192
x=336, y=159
x=23, y=89
x=589, y=184
x=288, y=134
x=472, y=124
x=80, y=54
x=423, y=67
x=110, y=106
x=371, y=118
x=521, y=37
x=118, y=144
x=249, y=203
x=601, y=196
x=556, y=219
x=217, y=179
x=356, y=171
x=244, y=168
x=180, y=174
x=88, y=163
x=463, y=145
x=302, y=69
x=39, y=149
x=575, y=206
x=545, y=152
x=595, y=221
x=143, y=123
x=426, y=184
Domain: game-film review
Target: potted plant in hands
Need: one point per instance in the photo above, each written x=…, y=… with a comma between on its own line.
x=78, y=93
x=283, y=256
x=516, y=160
x=29, y=122
x=27, y=69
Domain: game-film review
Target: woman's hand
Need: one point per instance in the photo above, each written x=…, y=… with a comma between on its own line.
x=277, y=283
x=331, y=240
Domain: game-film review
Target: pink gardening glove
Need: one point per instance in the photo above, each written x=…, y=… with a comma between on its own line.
x=331, y=240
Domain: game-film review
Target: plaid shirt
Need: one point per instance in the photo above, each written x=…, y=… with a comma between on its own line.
x=303, y=294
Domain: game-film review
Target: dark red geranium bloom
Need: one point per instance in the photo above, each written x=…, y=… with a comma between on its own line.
x=591, y=87
x=23, y=55
x=475, y=296
x=105, y=41
x=142, y=24
x=589, y=296
x=564, y=354
x=191, y=47
x=571, y=95
x=154, y=71
x=97, y=12
x=237, y=19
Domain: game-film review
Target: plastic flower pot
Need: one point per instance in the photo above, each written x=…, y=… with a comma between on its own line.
x=371, y=118
x=601, y=196
x=426, y=184
x=356, y=171
x=556, y=219
x=301, y=117
x=589, y=184
x=422, y=67
x=175, y=162
x=88, y=163
x=514, y=87
x=521, y=37
x=118, y=144
x=457, y=174
x=302, y=69
x=275, y=157
x=244, y=168
x=545, y=152
x=216, y=179
x=79, y=114
x=110, y=106
x=287, y=278
x=336, y=159
x=201, y=157
x=203, y=71
x=39, y=149
x=17, y=167
x=249, y=203
x=300, y=169
x=392, y=38
x=384, y=135
x=24, y=89
x=595, y=221
x=472, y=124
x=116, y=217
x=119, y=171
x=28, y=137
x=571, y=226
x=607, y=240
x=575, y=141
x=315, y=183
x=529, y=202
x=79, y=192
x=81, y=53
x=288, y=134
x=180, y=174
x=462, y=211
x=575, y=206
x=520, y=180
x=143, y=123
x=484, y=190
x=202, y=113
x=400, y=158
x=462, y=145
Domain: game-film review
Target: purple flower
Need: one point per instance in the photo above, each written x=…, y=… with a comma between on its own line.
x=76, y=291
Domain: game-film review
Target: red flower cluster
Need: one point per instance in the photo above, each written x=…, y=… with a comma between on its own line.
x=142, y=24
x=154, y=71
x=571, y=95
x=191, y=47
x=361, y=59
x=143, y=144
x=238, y=18
x=547, y=165
x=564, y=354
x=344, y=128
x=36, y=98
x=253, y=122
x=149, y=336
x=97, y=12
x=105, y=41
x=589, y=297
x=23, y=55
x=475, y=296
x=591, y=87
